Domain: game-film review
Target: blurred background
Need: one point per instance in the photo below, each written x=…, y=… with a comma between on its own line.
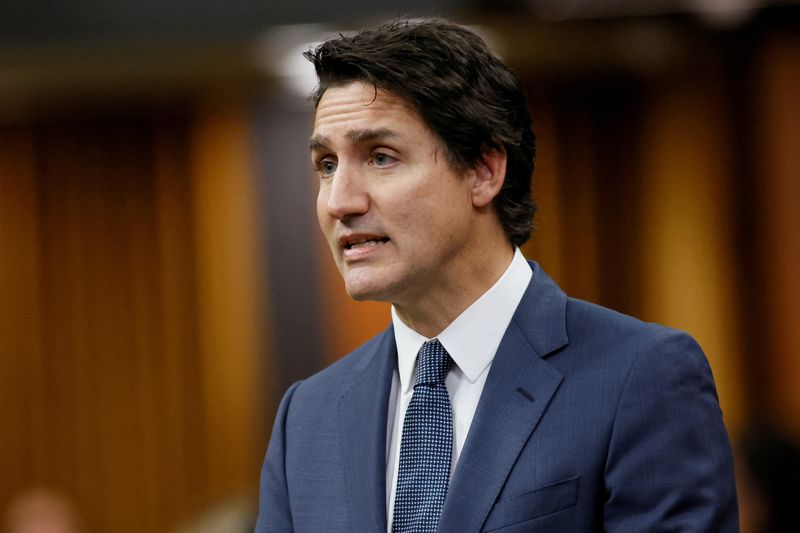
x=163, y=279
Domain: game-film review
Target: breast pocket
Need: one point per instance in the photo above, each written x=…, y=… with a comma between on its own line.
x=536, y=503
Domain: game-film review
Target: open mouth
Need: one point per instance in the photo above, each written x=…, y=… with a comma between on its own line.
x=366, y=243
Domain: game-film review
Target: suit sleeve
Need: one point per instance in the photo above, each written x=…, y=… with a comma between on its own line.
x=669, y=465
x=274, y=510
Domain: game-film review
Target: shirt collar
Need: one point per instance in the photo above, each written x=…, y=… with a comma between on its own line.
x=473, y=337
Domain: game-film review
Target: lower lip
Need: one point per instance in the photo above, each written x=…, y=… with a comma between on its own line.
x=362, y=252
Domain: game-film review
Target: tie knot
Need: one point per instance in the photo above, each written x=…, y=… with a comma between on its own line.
x=433, y=364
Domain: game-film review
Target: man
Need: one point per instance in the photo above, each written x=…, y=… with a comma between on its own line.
x=493, y=401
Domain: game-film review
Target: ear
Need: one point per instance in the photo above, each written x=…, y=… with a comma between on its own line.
x=490, y=173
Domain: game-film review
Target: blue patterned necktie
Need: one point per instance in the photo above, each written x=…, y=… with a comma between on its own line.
x=426, y=445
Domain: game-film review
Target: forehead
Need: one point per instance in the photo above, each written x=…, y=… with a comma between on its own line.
x=356, y=106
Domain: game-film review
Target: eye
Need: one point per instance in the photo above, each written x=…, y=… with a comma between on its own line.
x=380, y=159
x=326, y=168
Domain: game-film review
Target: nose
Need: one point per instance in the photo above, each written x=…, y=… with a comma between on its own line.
x=346, y=194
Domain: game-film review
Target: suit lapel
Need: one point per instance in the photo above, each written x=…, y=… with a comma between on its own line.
x=362, y=422
x=517, y=391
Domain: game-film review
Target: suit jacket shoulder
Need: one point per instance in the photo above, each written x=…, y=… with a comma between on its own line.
x=331, y=381
x=325, y=465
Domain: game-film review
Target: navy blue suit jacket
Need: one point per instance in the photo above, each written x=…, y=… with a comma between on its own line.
x=589, y=421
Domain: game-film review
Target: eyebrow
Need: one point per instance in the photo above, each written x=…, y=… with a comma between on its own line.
x=319, y=142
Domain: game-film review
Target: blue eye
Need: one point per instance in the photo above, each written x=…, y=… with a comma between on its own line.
x=326, y=168
x=382, y=160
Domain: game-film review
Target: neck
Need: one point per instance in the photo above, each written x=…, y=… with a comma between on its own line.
x=431, y=313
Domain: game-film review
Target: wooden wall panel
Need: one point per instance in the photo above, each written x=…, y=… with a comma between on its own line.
x=182, y=466
x=21, y=411
x=546, y=245
x=577, y=191
x=230, y=299
x=777, y=134
x=132, y=323
x=587, y=183
x=688, y=256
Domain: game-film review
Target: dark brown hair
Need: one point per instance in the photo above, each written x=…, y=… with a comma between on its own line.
x=462, y=91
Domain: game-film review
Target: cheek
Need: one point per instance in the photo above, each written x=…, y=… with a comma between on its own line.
x=437, y=209
x=413, y=218
x=424, y=206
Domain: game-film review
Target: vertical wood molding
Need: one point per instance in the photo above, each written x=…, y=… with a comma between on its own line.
x=230, y=306
x=688, y=261
x=182, y=455
x=778, y=169
x=546, y=245
x=22, y=448
x=578, y=209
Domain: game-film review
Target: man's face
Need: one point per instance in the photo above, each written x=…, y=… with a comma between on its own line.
x=396, y=215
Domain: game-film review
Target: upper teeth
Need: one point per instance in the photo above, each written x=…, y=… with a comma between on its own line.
x=361, y=244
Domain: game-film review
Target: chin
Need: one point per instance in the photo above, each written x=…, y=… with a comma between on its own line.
x=368, y=290
x=361, y=294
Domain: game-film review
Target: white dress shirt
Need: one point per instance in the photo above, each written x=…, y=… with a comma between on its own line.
x=471, y=340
